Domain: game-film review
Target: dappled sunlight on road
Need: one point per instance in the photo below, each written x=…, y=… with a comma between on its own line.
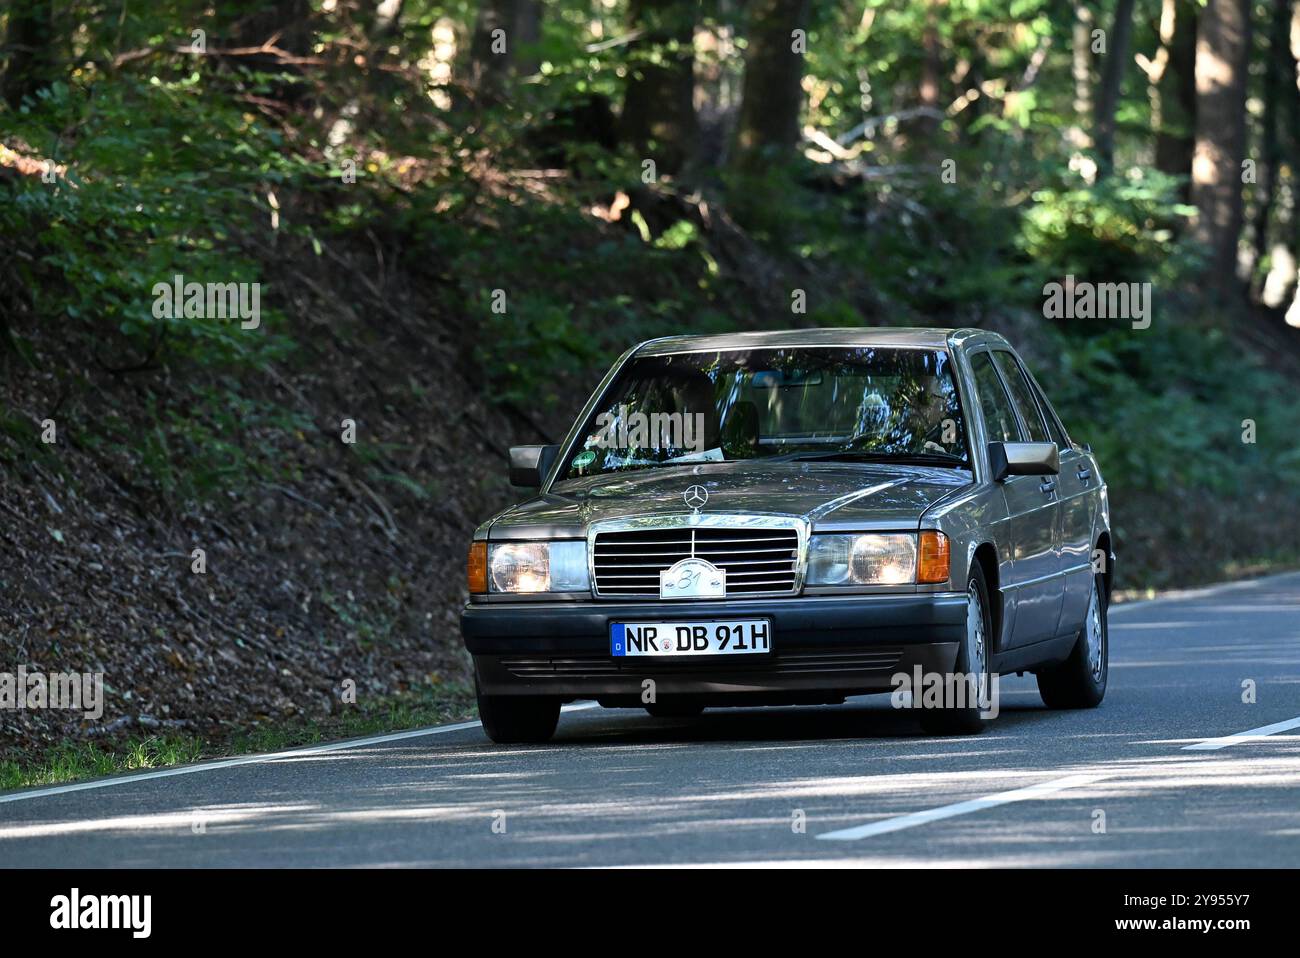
x=180, y=821
x=1112, y=786
x=546, y=823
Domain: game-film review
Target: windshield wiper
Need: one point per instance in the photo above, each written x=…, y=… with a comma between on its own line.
x=906, y=458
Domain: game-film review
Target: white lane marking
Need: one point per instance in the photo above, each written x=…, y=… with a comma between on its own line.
x=1250, y=735
x=131, y=779
x=900, y=822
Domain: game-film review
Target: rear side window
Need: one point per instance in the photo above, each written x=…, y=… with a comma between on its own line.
x=1054, y=426
x=1021, y=396
x=998, y=417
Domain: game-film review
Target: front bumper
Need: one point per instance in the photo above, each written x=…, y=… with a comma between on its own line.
x=823, y=648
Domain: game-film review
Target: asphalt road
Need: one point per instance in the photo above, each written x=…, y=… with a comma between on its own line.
x=1146, y=780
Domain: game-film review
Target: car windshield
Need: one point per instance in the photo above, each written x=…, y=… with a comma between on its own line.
x=779, y=404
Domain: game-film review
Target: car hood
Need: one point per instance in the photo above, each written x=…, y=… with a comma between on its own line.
x=829, y=495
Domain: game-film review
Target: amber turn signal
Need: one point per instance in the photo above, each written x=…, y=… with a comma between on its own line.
x=933, y=563
x=476, y=568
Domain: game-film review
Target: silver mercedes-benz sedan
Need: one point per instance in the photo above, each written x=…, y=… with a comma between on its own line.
x=796, y=517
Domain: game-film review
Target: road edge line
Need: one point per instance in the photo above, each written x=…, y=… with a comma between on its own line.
x=235, y=762
x=1200, y=591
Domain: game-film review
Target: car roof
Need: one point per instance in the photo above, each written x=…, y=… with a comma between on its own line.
x=896, y=336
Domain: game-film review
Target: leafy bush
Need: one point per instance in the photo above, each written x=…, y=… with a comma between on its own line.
x=161, y=180
x=1122, y=230
x=1167, y=408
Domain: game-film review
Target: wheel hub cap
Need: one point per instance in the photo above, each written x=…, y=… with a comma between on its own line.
x=1093, y=633
x=976, y=647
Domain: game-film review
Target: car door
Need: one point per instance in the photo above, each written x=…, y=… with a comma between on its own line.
x=1034, y=588
x=1078, y=490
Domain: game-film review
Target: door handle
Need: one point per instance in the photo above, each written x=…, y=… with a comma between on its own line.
x=1047, y=485
x=1084, y=473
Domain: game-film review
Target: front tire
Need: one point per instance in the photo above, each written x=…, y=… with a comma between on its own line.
x=1080, y=681
x=518, y=719
x=973, y=661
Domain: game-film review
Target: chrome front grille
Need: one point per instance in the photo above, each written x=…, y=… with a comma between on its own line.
x=759, y=559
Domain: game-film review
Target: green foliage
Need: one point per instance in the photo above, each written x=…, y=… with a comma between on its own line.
x=161, y=181
x=576, y=296
x=432, y=704
x=205, y=167
x=1123, y=230
x=71, y=761
x=1165, y=409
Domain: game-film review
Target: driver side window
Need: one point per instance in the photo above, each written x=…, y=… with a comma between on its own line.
x=999, y=419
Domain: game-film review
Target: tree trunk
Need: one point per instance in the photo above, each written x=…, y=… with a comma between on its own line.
x=288, y=22
x=719, y=73
x=1175, y=134
x=931, y=68
x=1081, y=72
x=658, y=103
x=772, y=95
x=1222, y=50
x=491, y=48
x=1112, y=84
x=528, y=30
x=1279, y=81
x=29, y=49
x=1292, y=99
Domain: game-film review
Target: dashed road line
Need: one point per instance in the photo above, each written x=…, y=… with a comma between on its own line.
x=900, y=822
x=1250, y=735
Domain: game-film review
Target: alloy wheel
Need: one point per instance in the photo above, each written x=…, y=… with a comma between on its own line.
x=1094, y=636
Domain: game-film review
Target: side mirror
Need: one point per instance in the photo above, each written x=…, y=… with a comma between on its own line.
x=530, y=464
x=1023, y=459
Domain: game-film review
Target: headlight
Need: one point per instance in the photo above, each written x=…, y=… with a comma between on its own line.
x=538, y=567
x=873, y=559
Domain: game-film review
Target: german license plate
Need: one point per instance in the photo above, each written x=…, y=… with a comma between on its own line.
x=729, y=637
